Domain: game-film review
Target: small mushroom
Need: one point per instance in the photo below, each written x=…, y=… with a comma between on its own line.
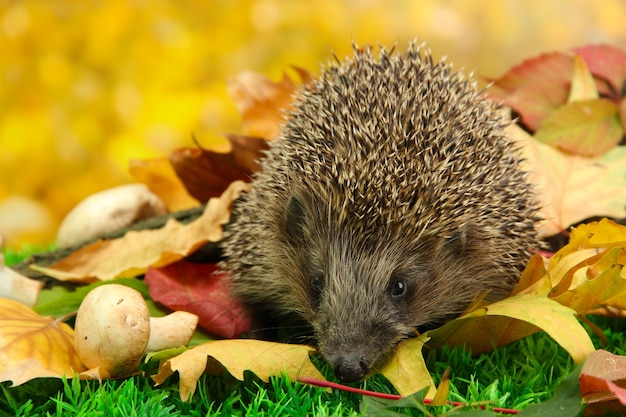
x=113, y=330
x=107, y=211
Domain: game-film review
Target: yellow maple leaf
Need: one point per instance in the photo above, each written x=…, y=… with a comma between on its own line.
x=511, y=319
x=133, y=253
x=32, y=346
x=406, y=369
x=238, y=355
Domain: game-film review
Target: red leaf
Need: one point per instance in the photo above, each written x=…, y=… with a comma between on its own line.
x=198, y=289
x=606, y=62
x=536, y=87
x=602, y=377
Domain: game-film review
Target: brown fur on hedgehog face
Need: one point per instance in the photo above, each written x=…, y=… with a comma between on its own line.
x=365, y=291
x=390, y=201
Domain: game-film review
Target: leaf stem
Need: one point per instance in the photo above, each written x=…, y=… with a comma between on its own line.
x=334, y=385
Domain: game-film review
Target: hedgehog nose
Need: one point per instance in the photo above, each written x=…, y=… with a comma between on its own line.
x=351, y=368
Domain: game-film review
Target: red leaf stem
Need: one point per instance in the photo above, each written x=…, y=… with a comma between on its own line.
x=334, y=385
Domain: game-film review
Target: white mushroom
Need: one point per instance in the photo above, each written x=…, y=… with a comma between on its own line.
x=108, y=211
x=113, y=330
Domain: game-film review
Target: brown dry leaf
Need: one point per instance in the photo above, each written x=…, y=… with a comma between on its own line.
x=238, y=355
x=133, y=253
x=406, y=369
x=573, y=188
x=32, y=346
x=206, y=174
x=160, y=178
x=261, y=102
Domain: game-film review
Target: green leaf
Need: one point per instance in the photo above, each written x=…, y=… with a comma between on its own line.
x=586, y=127
x=566, y=401
x=59, y=301
x=381, y=407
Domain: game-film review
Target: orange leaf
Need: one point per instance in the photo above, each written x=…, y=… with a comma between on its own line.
x=32, y=346
x=238, y=355
x=160, y=178
x=133, y=253
x=261, y=102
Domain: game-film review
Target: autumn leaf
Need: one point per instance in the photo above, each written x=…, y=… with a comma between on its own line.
x=586, y=127
x=406, y=369
x=511, y=319
x=206, y=174
x=583, y=85
x=32, y=346
x=160, y=178
x=133, y=253
x=606, y=62
x=602, y=382
x=539, y=86
x=199, y=289
x=236, y=356
x=261, y=102
x=536, y=87
x=573, y=188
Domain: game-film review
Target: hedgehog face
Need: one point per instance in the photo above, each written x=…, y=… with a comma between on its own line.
x=362, y=297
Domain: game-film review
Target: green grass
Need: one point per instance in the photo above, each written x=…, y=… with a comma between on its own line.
x=514, y=376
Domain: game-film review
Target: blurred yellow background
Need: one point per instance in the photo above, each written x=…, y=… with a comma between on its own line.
x=87, y=85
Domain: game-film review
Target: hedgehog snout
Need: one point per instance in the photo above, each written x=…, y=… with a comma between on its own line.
x=351, y=367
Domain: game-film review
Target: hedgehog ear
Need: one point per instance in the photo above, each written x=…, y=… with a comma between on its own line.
x=454, y=245
x=295, y=220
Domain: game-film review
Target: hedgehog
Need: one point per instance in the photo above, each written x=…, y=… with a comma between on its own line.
x=391, y=200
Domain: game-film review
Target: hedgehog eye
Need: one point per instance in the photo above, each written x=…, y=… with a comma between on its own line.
x=317, y=282
x=317, y=286
x=397, y=289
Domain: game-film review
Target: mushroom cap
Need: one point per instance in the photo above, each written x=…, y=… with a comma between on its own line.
x=112, y=329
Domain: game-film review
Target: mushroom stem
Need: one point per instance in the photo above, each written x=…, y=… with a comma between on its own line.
x=171, y=331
